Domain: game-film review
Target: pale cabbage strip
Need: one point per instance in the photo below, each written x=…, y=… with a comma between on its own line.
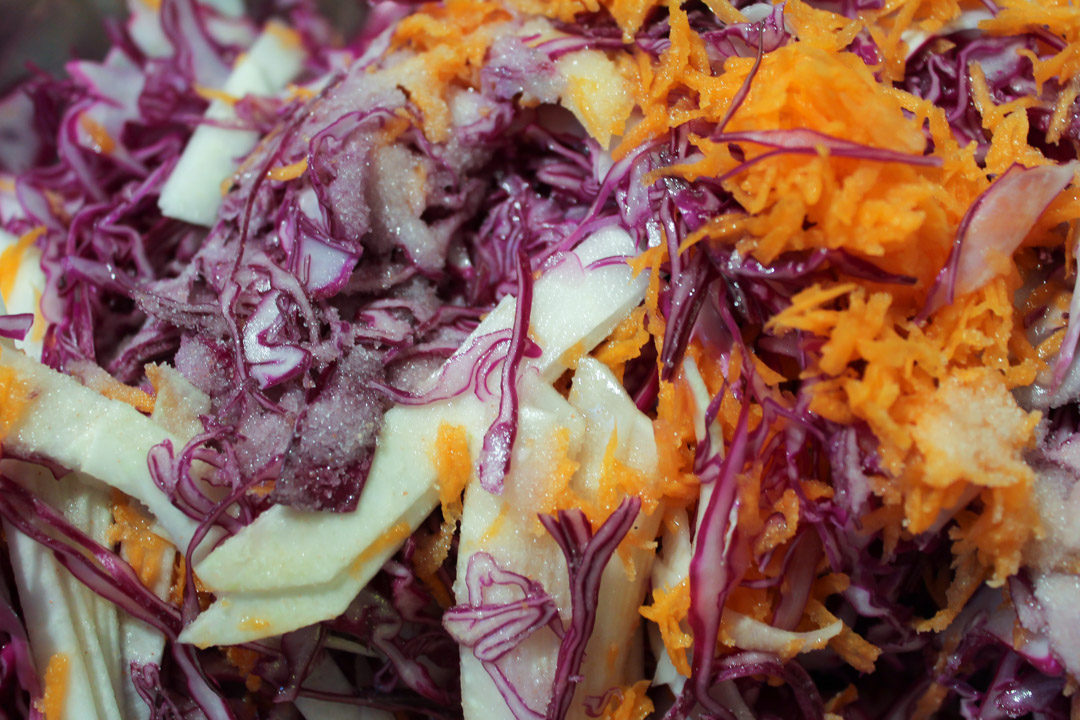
x=193, y=191
x=598, y=416
x=671, y=567
x=746, y=633
x=291, y=568
x=287, y=548
x=63, y=617
x=144, y=25
x=615, y=651
x=243, y=617
x=177, y=407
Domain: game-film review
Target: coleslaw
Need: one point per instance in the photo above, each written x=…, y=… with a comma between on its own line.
x=544, y=360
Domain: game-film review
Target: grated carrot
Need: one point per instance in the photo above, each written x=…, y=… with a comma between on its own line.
x=450, y=42
x=300, y=92
x=14, y=394
x=842, y=699
x=821, y=28
x=12, y=258
x=288, y=172
x=558, y=494
x=1058, y=17
x=396, y=534
x=969, y=576
x=668, y=610
x=629, y=703
x=54, y=696
x=244, y=660
x=284, y=34
x=102, y=382
x=852, y=647
x=453, y=468
x=496, y=525
x=215, y=95
x=785, y=517
x=100, y=140
x=143, y=549
x=253, y=624
x=618, y=481
x=624, y=343
x=927, y=394
x=37, y=330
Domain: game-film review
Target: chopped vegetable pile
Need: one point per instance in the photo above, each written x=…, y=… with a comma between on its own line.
x=534, y=360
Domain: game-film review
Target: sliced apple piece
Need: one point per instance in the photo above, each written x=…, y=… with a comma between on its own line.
x=193, y=190
x=614, y=654
x=597, y=93
x=287, y=548
x=506, y=527
x=52, y=416
x=177, y=407
x=243, y=617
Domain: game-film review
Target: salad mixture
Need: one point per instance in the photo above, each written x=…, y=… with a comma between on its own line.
x=539, y=360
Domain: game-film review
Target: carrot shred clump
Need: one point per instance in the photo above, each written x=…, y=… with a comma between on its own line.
x=668, y=610
x=288, y=172
x=116, y=390
x=450, y=41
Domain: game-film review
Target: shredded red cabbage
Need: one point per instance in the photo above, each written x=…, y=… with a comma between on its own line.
x=587, y=554
x=491, y=630
x=499, y=438
x=15, y=327
x=18, y=679
x=717, y=564
x=354, y=254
